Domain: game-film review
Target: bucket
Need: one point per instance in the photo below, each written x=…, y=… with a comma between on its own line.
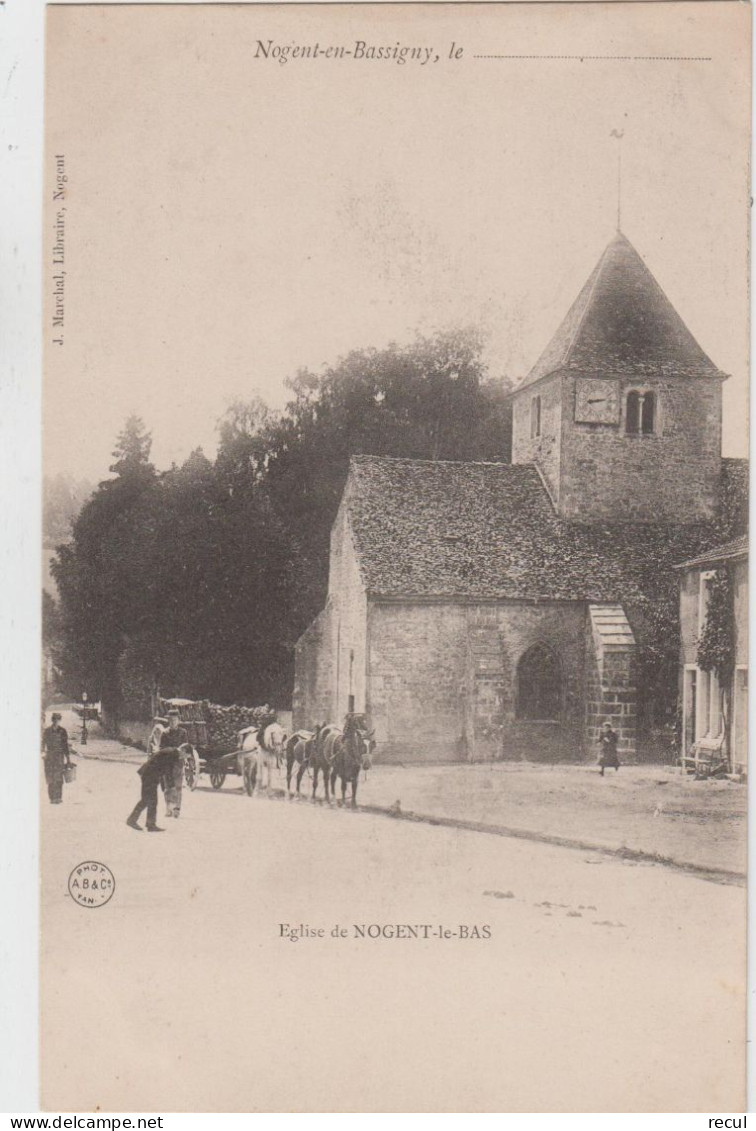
x=69, y=774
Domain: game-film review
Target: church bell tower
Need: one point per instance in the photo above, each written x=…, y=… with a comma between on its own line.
x=622, y=413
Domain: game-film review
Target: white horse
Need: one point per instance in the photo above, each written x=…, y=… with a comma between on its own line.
x=271, y=741
x=259, y=751
x=249, y=749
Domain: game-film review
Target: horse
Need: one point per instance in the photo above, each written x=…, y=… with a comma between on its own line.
x=352, y=752
x=249, y=749
x=271, y=742
x=320, y=756
x=297, y=749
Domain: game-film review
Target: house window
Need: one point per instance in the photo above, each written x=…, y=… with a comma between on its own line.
x=535, y=417
x=640, y=414
x=539, y=684
x=703, y=705
x=690, y=708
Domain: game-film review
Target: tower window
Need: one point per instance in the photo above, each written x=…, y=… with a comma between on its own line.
x=640, y=415
x=535, y=417
x=539, y=684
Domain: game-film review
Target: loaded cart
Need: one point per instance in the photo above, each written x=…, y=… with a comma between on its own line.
x=213, y=730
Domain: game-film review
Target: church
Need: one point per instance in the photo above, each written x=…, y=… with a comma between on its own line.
x=488, y=611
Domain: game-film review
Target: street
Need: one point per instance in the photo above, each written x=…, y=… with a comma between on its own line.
x=604, y=985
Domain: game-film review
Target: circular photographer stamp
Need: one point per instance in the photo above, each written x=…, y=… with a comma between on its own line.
x=91, y=884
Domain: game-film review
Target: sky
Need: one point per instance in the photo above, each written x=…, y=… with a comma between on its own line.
x=230, y=220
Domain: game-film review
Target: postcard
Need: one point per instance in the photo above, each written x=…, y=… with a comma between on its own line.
x=394, y=721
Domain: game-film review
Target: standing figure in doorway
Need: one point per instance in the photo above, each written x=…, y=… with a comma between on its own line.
x=608, y=748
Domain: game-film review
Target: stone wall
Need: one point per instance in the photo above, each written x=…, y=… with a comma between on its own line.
x=443, y=680
x=312, y=701
x=349, y=603
x=330, y=657
x=543, y=450
x=672, y=475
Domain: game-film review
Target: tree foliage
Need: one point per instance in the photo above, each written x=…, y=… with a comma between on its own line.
x=62, y=498
x=716, y=644
x=131, y=454
x=198, y=581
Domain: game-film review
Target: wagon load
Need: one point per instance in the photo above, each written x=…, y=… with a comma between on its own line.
x=214, y=731
x=224, y=723
x=213, y=727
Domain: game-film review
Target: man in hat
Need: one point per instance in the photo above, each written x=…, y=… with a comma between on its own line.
x=161, y=765
x=175, y=740
x=160, y=726
x=57, y=757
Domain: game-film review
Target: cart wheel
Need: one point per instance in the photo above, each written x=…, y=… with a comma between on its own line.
x=217, y=778
x=190, y=775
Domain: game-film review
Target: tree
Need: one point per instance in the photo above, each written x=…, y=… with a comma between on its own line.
x=243, y=433
x=62, y=498
x=95, y=574
x=131, y=454
x=52, y=640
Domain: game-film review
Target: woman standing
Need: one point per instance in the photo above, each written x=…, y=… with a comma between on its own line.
x=608, y=747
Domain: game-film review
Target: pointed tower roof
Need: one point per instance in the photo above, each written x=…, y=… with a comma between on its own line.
x=623, y=323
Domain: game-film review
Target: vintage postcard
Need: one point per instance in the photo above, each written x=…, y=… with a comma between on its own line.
x=395, y=533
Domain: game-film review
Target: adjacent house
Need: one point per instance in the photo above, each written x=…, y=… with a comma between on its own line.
x=715, y=713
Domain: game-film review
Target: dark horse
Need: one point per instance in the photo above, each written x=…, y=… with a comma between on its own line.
x=299, y=749
x=352, y=751
x=321, y=754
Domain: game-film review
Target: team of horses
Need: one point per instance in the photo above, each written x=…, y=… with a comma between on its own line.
x=329, y=753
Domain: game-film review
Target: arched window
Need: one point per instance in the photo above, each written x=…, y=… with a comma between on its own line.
x=539, y=684
x=535, y=417
x=640, y=415
x=632, y=416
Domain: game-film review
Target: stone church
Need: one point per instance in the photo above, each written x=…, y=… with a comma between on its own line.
x=481, y=611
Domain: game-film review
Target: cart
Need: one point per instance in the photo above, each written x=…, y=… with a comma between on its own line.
x=209, y=757
x=216, y=766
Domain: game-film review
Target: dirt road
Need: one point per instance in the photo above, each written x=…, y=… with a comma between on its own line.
x=604, y=986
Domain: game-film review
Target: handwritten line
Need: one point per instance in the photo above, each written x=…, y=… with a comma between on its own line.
x=620, y=58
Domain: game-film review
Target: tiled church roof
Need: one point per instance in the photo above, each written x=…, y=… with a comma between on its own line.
x=622, y=323
x=488, y=530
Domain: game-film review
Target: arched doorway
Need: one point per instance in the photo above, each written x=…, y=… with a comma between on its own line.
x=540, y=685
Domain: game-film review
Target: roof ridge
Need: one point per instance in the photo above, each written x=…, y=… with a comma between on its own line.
x=735, y=547
x=596, y=276
x=445, y=462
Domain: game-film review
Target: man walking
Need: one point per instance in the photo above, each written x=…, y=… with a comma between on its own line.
x=57, y=757
x=174, y=739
